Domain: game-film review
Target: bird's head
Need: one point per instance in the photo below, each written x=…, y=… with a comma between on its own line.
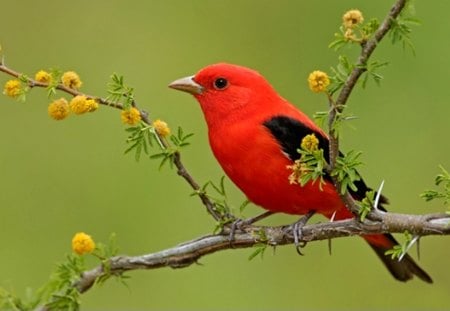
x=227, y=92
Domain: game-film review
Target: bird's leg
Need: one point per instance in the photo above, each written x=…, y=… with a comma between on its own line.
x=297, y=230
x=238, y=224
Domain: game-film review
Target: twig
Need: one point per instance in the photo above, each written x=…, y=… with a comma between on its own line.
x=33, y=83
x=337, y=107
x=181, y=169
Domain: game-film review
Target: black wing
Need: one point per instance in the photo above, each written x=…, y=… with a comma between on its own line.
x=289, y=133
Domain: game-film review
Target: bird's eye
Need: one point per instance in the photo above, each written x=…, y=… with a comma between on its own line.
x=220, y=83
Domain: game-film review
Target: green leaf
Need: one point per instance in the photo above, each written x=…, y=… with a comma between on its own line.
x=260, y=250
x=139, y=138
x=366, y=205
x=442, y=180
x=118, y=91
x=346, y=170
x=401, y=27
x=320, y=117
x=243, y=206
x=400, y=250
x=370, y=27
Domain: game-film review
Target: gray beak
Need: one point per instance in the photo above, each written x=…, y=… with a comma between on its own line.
x=187, y=85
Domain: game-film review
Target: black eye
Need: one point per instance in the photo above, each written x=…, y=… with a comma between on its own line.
x=220, y=83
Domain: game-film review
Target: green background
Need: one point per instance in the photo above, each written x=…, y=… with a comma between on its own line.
x=58, y=178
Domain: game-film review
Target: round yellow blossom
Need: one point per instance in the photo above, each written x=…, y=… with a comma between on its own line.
x=318, y=81
x=82, y=243
x=43, y=76
x=79, y=104
x=161, y=128
x=352, y=18
x=310, y=143
x=58, y=109
x=12, y=88
x=92, y=105
x=131, y=116
x=71, y=80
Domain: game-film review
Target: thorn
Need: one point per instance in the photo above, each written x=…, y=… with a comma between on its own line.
x=297, y=231
x=377, y=198
x=333, y=216
x=329, y=240
x=274, y=249
x=418, y=248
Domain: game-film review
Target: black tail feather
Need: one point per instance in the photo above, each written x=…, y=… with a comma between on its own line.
x=403, y=270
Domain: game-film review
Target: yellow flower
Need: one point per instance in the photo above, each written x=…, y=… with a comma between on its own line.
x=79, y=104
x=298, y=170
x=352, y=18
x=58, y=109
x=12, y=88
x=310, y=143
x=161, y=128
x=92, y=105
x=71, y=80
x=82, y=243
x=131, y=116
x=43, y=76
x=318, y=81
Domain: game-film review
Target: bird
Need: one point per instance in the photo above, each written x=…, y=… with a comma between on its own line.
x=255, y=134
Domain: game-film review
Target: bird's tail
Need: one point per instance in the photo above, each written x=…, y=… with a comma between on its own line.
x=402, y=270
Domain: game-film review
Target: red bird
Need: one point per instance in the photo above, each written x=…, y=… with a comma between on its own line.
x=254, y=133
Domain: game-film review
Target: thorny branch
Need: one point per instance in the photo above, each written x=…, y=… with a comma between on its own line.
x=181, y=169
x=338, y=106
x=190, y=252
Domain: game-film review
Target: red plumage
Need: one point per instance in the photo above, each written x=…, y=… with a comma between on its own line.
x=238, y=103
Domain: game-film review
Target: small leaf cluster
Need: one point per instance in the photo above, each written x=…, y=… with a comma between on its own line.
x=24, y=79
x=59, y=293
x=261, y=246
x=340, y=74
x=366, y=205
x=168, y=151
x=344, y=69
x=401, y=27
x=118, y=90
x=442, y=180
x=345, y=170
x=56, y=75
x=105, y=252
x=399, y=250
x=140, y=138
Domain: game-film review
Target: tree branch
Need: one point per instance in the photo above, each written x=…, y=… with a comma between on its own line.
x=188, y=253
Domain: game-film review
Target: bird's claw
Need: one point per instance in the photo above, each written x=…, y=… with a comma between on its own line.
x=237, y=224
x=296, y=229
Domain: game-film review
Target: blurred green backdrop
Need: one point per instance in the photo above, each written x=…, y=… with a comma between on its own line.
x=57, y=178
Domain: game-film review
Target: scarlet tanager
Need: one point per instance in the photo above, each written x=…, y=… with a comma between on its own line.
x=255, y=133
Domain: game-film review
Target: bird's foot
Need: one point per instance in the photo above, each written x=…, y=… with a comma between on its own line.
x=239, y=224
x=296, y=229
